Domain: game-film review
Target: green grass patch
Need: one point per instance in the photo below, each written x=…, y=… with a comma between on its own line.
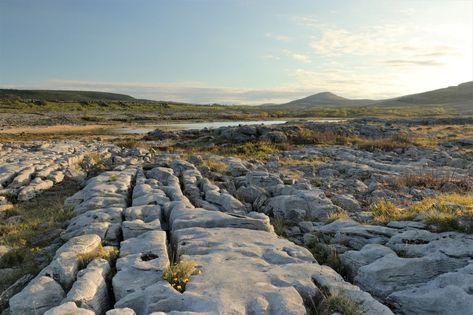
x=40, y=218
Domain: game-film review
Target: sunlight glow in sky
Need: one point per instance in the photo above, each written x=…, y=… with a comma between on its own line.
x=237, y=51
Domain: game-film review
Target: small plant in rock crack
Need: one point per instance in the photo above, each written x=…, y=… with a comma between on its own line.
x=179, y=274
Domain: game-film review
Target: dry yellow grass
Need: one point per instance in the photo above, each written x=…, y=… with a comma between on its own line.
x=56, y=129
x=216, y=166
x=446, y=212
x=109, y=253
x=338, y=215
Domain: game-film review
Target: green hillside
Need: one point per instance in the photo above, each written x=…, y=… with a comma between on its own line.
x=64, y=96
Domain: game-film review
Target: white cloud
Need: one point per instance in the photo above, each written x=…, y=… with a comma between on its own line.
x=271, y=57
x=278, y=37
x=297, y=56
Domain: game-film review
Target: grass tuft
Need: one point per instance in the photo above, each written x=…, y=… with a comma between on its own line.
x=280, y=225
x=216, y=166
x=338, y=215
x=179, y=274
x=109, y=253
x=340, y=304
x=385, y=211
x=327, y=255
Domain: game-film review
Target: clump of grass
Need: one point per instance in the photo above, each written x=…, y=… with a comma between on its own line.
x=280, y=225
x=327, y=255
x=179, y=274
x=447, y=212
x=109, y=253
x=337, y=215
x=385, y=211
x=255, y=150
x=340, y=304
x=216, y=166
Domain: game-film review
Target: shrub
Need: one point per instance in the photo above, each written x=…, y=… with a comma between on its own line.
x=179, y=274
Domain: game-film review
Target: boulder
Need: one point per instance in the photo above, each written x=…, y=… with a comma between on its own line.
x=41, y=294
x=346, y=202
x=313, y=202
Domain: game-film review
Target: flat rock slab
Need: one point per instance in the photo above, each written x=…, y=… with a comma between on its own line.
x=186, y=217
x=250, y=272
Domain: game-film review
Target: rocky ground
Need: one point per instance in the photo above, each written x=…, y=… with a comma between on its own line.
x=355, y=218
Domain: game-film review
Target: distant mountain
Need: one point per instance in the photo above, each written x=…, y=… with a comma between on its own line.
x=461, y=95
x=60, y=95
x=320, y=100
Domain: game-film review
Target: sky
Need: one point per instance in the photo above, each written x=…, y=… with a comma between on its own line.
x=237, y=51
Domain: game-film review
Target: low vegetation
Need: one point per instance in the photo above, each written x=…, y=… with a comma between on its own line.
x=298, y=162
x=385, y=211
x=338, y=304
x=250, y=150
x=178, y=275
x=304, y=136
x=434, y=180
x=280, y=225
x=327, y=255
x=109, y=253
x=384, y=144
x=31, y=226
x=216, y=166
x=445, y=212
x=338, y=215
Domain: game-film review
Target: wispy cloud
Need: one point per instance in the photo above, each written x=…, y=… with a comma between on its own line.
x=271, y=57
x=278, y=37
x=297, y=56
x=409, y=63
